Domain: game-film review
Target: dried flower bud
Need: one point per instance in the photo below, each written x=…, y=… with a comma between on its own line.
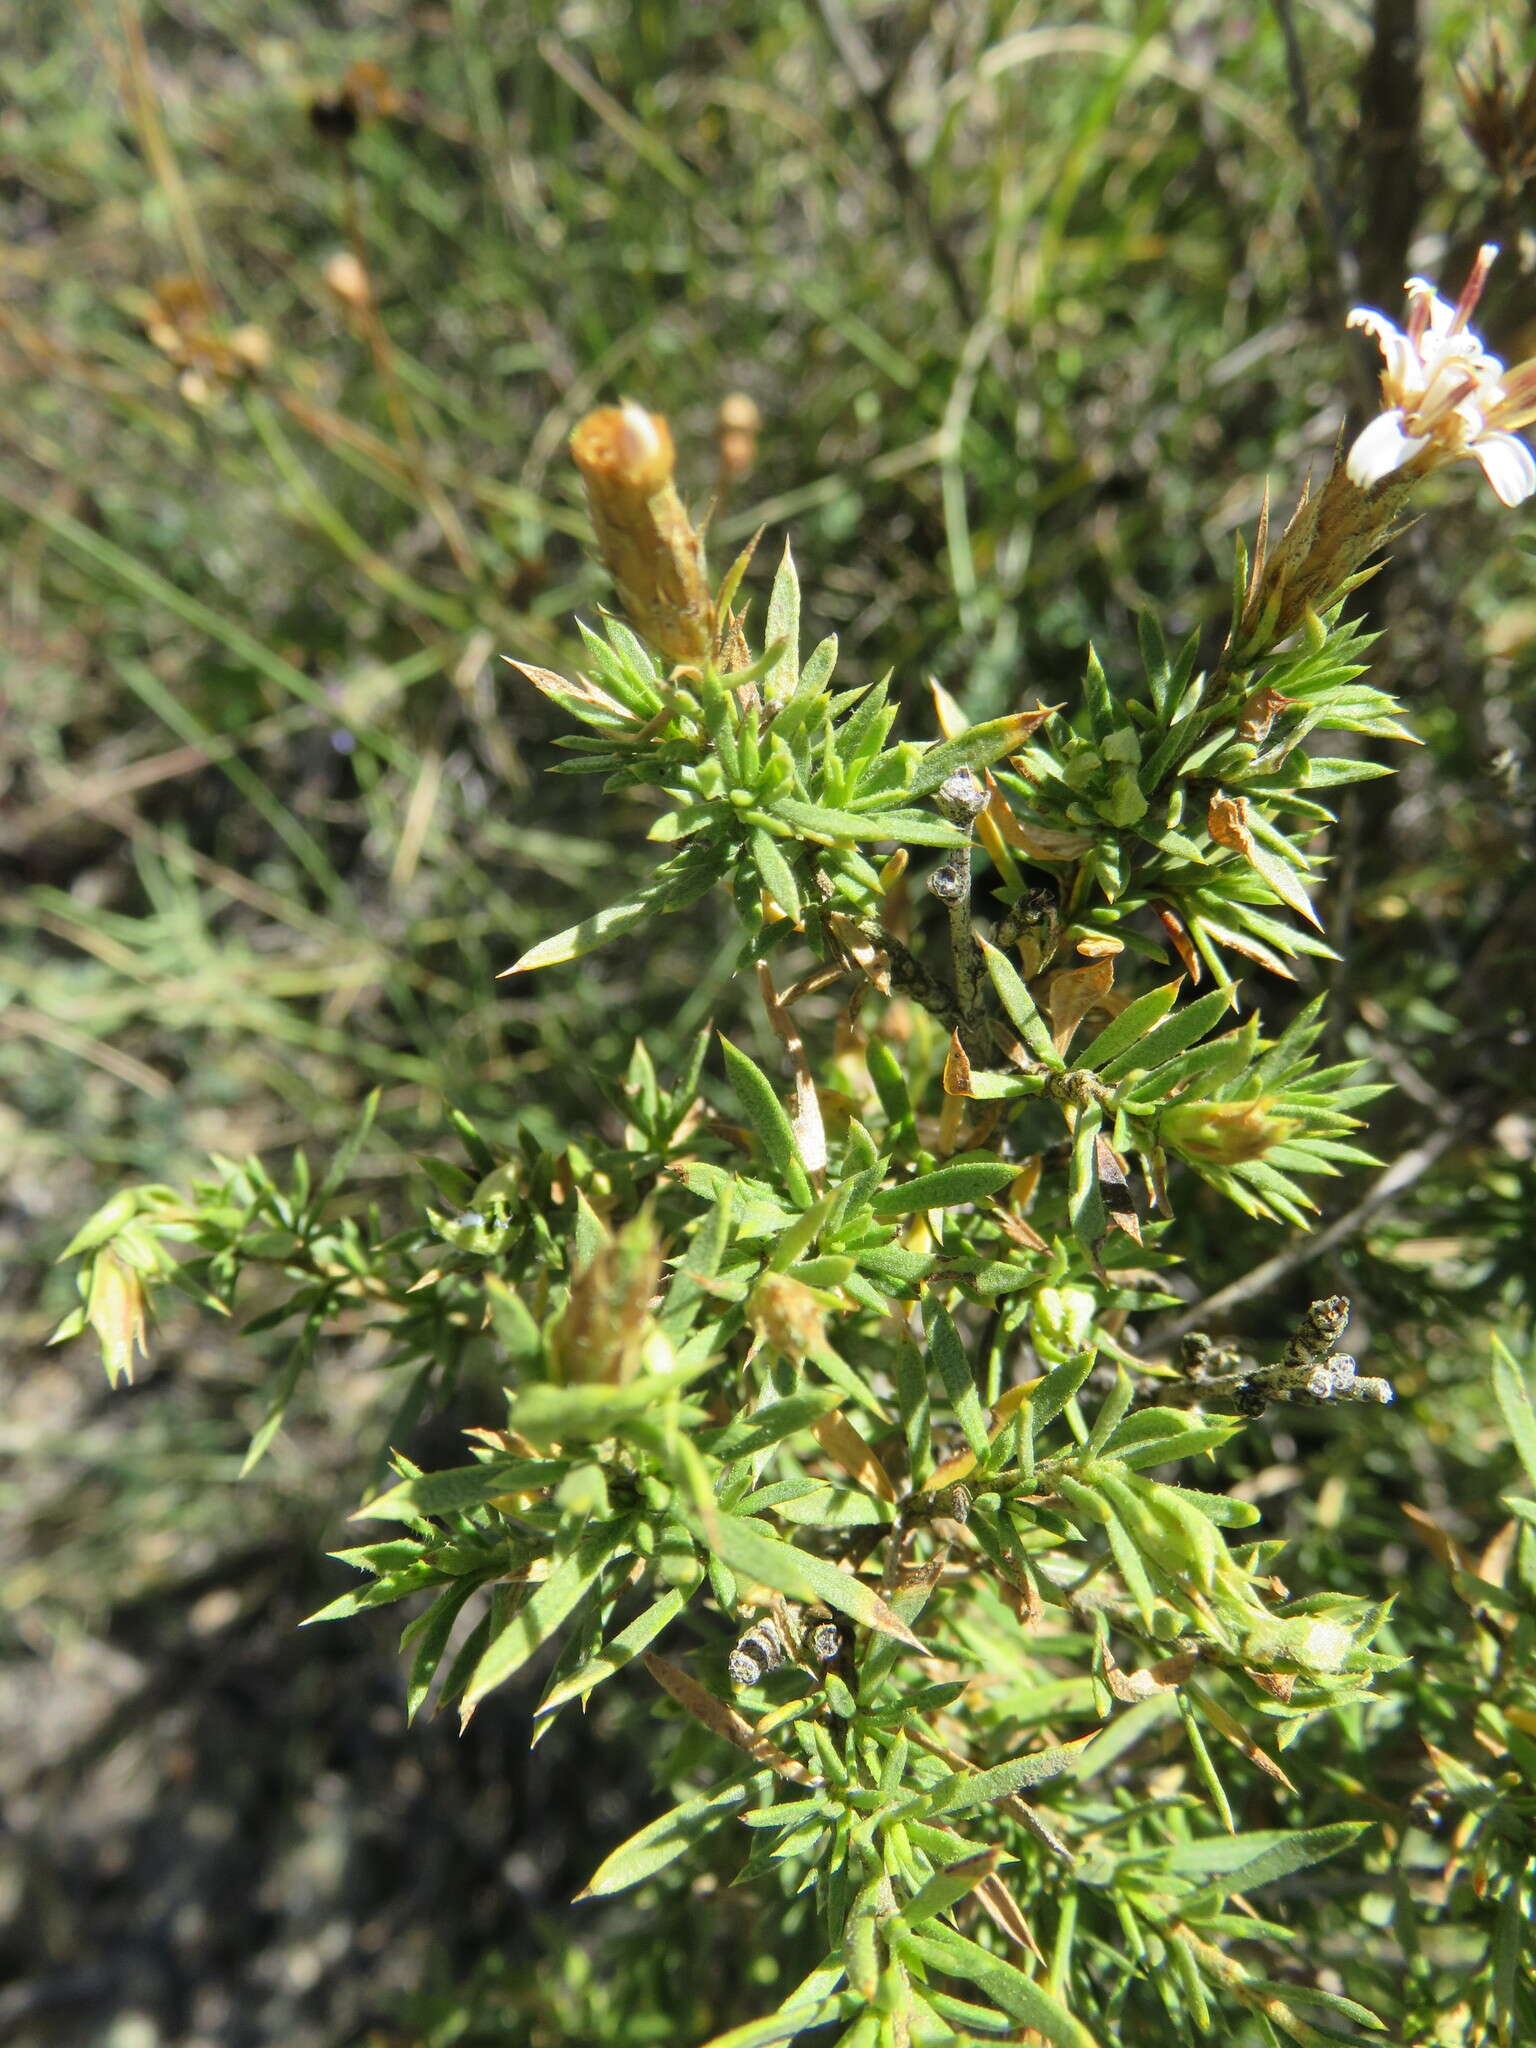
x=787, y=1316
x=648, y=546
x=1499, y=116
x=736, y=430
x=603, y=1334
x=251, y=346
x=347, y=279
x=1224, y=1133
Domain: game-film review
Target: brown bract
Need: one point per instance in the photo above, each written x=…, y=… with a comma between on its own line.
x=1317, y=559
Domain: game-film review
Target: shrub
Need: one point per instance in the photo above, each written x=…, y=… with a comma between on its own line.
x=834, y=1392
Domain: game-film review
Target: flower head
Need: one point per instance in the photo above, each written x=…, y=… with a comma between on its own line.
x=1445, y=396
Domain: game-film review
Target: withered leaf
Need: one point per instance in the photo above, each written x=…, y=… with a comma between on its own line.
x=1116, y=1189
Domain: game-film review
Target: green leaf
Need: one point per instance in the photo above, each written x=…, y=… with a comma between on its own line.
x=1131, y=1026
x=754, y=1552
x=299, y=1356
x=750, y=1434
x=783, y=624
x=954, y=1368
x=909, y=1369
x=345, y=1157
x=890, y=1084
x=1291, y=1994
x=948, y=1886
x=1020, y=1006
x=1241, y=1863
x=977, y=747
x=776, y=871
x=816, y=670
x=1154, y=659
x=964, y=1791
x=1513, y=1397
x=676, y=885
x=1085, y=1201
x=1132, y=1569
x=1171, y=1036
x=1144, y=1447
x=942, y=1949
x=512, y=1320
x=810, y=2004
x=970, y=1179
x=1283, y=879
x=770, y=1120
x=380, y=1594
x=430, y=1633
x=1059, y=1386
x=586, y=1414
x=461, y=1486
x=617, y=1651
x=1325, y=771
x=665, y=1839
x=536, y=1620
x=832, y=827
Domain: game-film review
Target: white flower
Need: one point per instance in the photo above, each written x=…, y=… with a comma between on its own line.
x=1445, y=397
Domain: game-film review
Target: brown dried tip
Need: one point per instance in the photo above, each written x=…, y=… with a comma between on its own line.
x=1327, y=543
x=648, y=546
x=1499, y=116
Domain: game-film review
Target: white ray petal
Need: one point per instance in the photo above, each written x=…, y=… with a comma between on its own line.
x=1508, y=465
x=1401, y=372
x=1382, y=447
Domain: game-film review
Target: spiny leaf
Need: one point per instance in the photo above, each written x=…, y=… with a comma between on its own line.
x=1171, y=1036
x=675, y=887
x=770, y=1120
x=663, y=1840
x=783, y=624
x=461, y=1486
x=978, y=747
x=1020, y=1006
x=750, y=1548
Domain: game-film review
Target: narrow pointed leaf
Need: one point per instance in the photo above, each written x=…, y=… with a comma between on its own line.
x=664, y=1840
x=970, y=1179
x=1020, y=1006
x=751, y=1550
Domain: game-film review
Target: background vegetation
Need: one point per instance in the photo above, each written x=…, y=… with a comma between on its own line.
x=1029, y=301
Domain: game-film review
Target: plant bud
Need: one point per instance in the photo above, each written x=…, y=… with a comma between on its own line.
x=603, y=1335
x=1224, y=1133
x=961, y=797
x=648, y=546
x=1060, y=1321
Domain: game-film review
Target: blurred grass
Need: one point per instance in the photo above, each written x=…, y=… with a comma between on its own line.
x=1031, y=303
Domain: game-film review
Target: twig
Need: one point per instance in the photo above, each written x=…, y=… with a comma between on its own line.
x=1400, y=1175
x=961, y=800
